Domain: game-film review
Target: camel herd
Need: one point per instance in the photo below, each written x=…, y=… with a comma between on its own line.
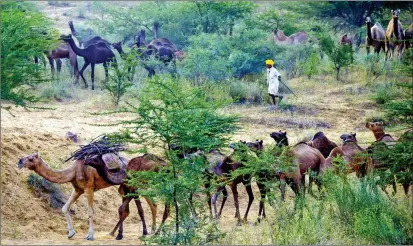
x=92, y=174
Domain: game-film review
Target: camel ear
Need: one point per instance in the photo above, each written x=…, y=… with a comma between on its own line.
x=261, y=141
x=36, y=155
x=381, y=123
x=367, y=124
x=354, y=134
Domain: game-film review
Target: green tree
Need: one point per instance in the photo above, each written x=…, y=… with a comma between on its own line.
x=25, y=34
x=171, y=111
x=340, y=55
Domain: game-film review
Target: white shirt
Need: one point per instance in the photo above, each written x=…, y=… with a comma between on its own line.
x=272, y=81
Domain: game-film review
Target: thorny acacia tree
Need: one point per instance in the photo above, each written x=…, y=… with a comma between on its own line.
x=171, y=111
x=25, y=34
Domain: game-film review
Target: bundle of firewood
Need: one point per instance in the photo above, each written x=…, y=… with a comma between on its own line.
x=98, y=146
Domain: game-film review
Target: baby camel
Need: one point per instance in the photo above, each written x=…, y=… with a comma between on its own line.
x=85, y=179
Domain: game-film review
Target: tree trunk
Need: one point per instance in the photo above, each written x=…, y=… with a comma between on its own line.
x=337, y=73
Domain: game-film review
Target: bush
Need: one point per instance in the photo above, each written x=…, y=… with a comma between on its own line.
x=385, y=93
x=59, y=3
x=25, y=34
x=310, y=65
x=118, y=81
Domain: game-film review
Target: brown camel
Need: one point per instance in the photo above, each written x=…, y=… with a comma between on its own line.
x=93, y=54
x=306, y=158
x=378, y=130
x=394, y=36
x=322, y=143
x=375, y=37
x=61, y=52
x=85, y=179
x=223, y=170
x=147, y=162
x=294, y=39
x=346, y=40
x=354, y=156
x=162, y=49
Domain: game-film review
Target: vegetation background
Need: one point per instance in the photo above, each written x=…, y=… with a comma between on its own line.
x=339, y=89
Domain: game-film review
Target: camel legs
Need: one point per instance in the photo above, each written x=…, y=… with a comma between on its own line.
x=81, y=73
x=51, y=63
x=123, y=214
x=153, y=207
x=164, y=217
x=224, y=199
x=66, y=208
x=236, y=203
x=250, y=198
x=263, y=192
x=91, y=214
x=105, y=66
x=58, y=66
x=141, y=215
x=214, y=202
x=92, y=65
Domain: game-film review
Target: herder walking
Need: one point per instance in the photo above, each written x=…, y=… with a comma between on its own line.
x=273, y=81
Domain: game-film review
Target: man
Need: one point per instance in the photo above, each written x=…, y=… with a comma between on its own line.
x=273, y=81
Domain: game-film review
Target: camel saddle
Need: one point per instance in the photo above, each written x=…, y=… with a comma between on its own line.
x=111, y=160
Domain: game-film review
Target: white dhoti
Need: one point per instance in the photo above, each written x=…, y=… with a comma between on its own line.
x=272, y=81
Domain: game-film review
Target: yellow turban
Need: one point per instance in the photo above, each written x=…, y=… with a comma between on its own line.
x=269, y=62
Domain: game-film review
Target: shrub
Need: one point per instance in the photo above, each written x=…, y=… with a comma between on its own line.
x=385, y=93
x=118, y=81
x=19, y=46
x=310, y=65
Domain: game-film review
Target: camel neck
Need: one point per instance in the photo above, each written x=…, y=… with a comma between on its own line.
x=72, y=29
x=369, y=30
x=283, y=142
x=396, y=27
x=378, y=135
x=77, y=50
x=55, y=176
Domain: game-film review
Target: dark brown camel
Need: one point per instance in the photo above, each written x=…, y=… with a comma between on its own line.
x=93, y=54
x=375, y=37
x=223, y=171
x=394, y=36
x=306, y=158
x=346, y=40
x=147, y=162
x=162, y=49
x=322, y=143
x=355, y=157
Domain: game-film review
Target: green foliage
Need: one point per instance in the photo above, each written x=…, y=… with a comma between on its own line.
x=118, y=81
x=386, y=93
x=171, y=111
x=340, y=55
x=25, y=34
x=310, y=66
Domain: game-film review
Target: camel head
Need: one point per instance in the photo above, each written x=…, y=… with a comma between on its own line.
x=349, y=137
x=255, y=146
x=375, y=126
x=118, y=46
x=368, y=20
x=279, y=136
x=395, y=14
x=31, y=161
x=66, y=37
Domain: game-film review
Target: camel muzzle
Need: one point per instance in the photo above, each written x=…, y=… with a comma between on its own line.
x=20, y=165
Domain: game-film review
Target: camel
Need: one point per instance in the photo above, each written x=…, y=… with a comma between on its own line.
x=394, y=35
x=93, y=54
x=378, y=130
x=408, y=37
x=355, y=157
x=223, y=170
x=346, y=40
x=85, y=179
x=61, y=52
x=322, y=143
x=306, y=158
x=294, y=39
x=375, y=37
x=383, y=140
x=161, y=48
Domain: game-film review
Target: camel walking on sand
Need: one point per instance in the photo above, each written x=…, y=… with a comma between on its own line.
x=85, y=180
